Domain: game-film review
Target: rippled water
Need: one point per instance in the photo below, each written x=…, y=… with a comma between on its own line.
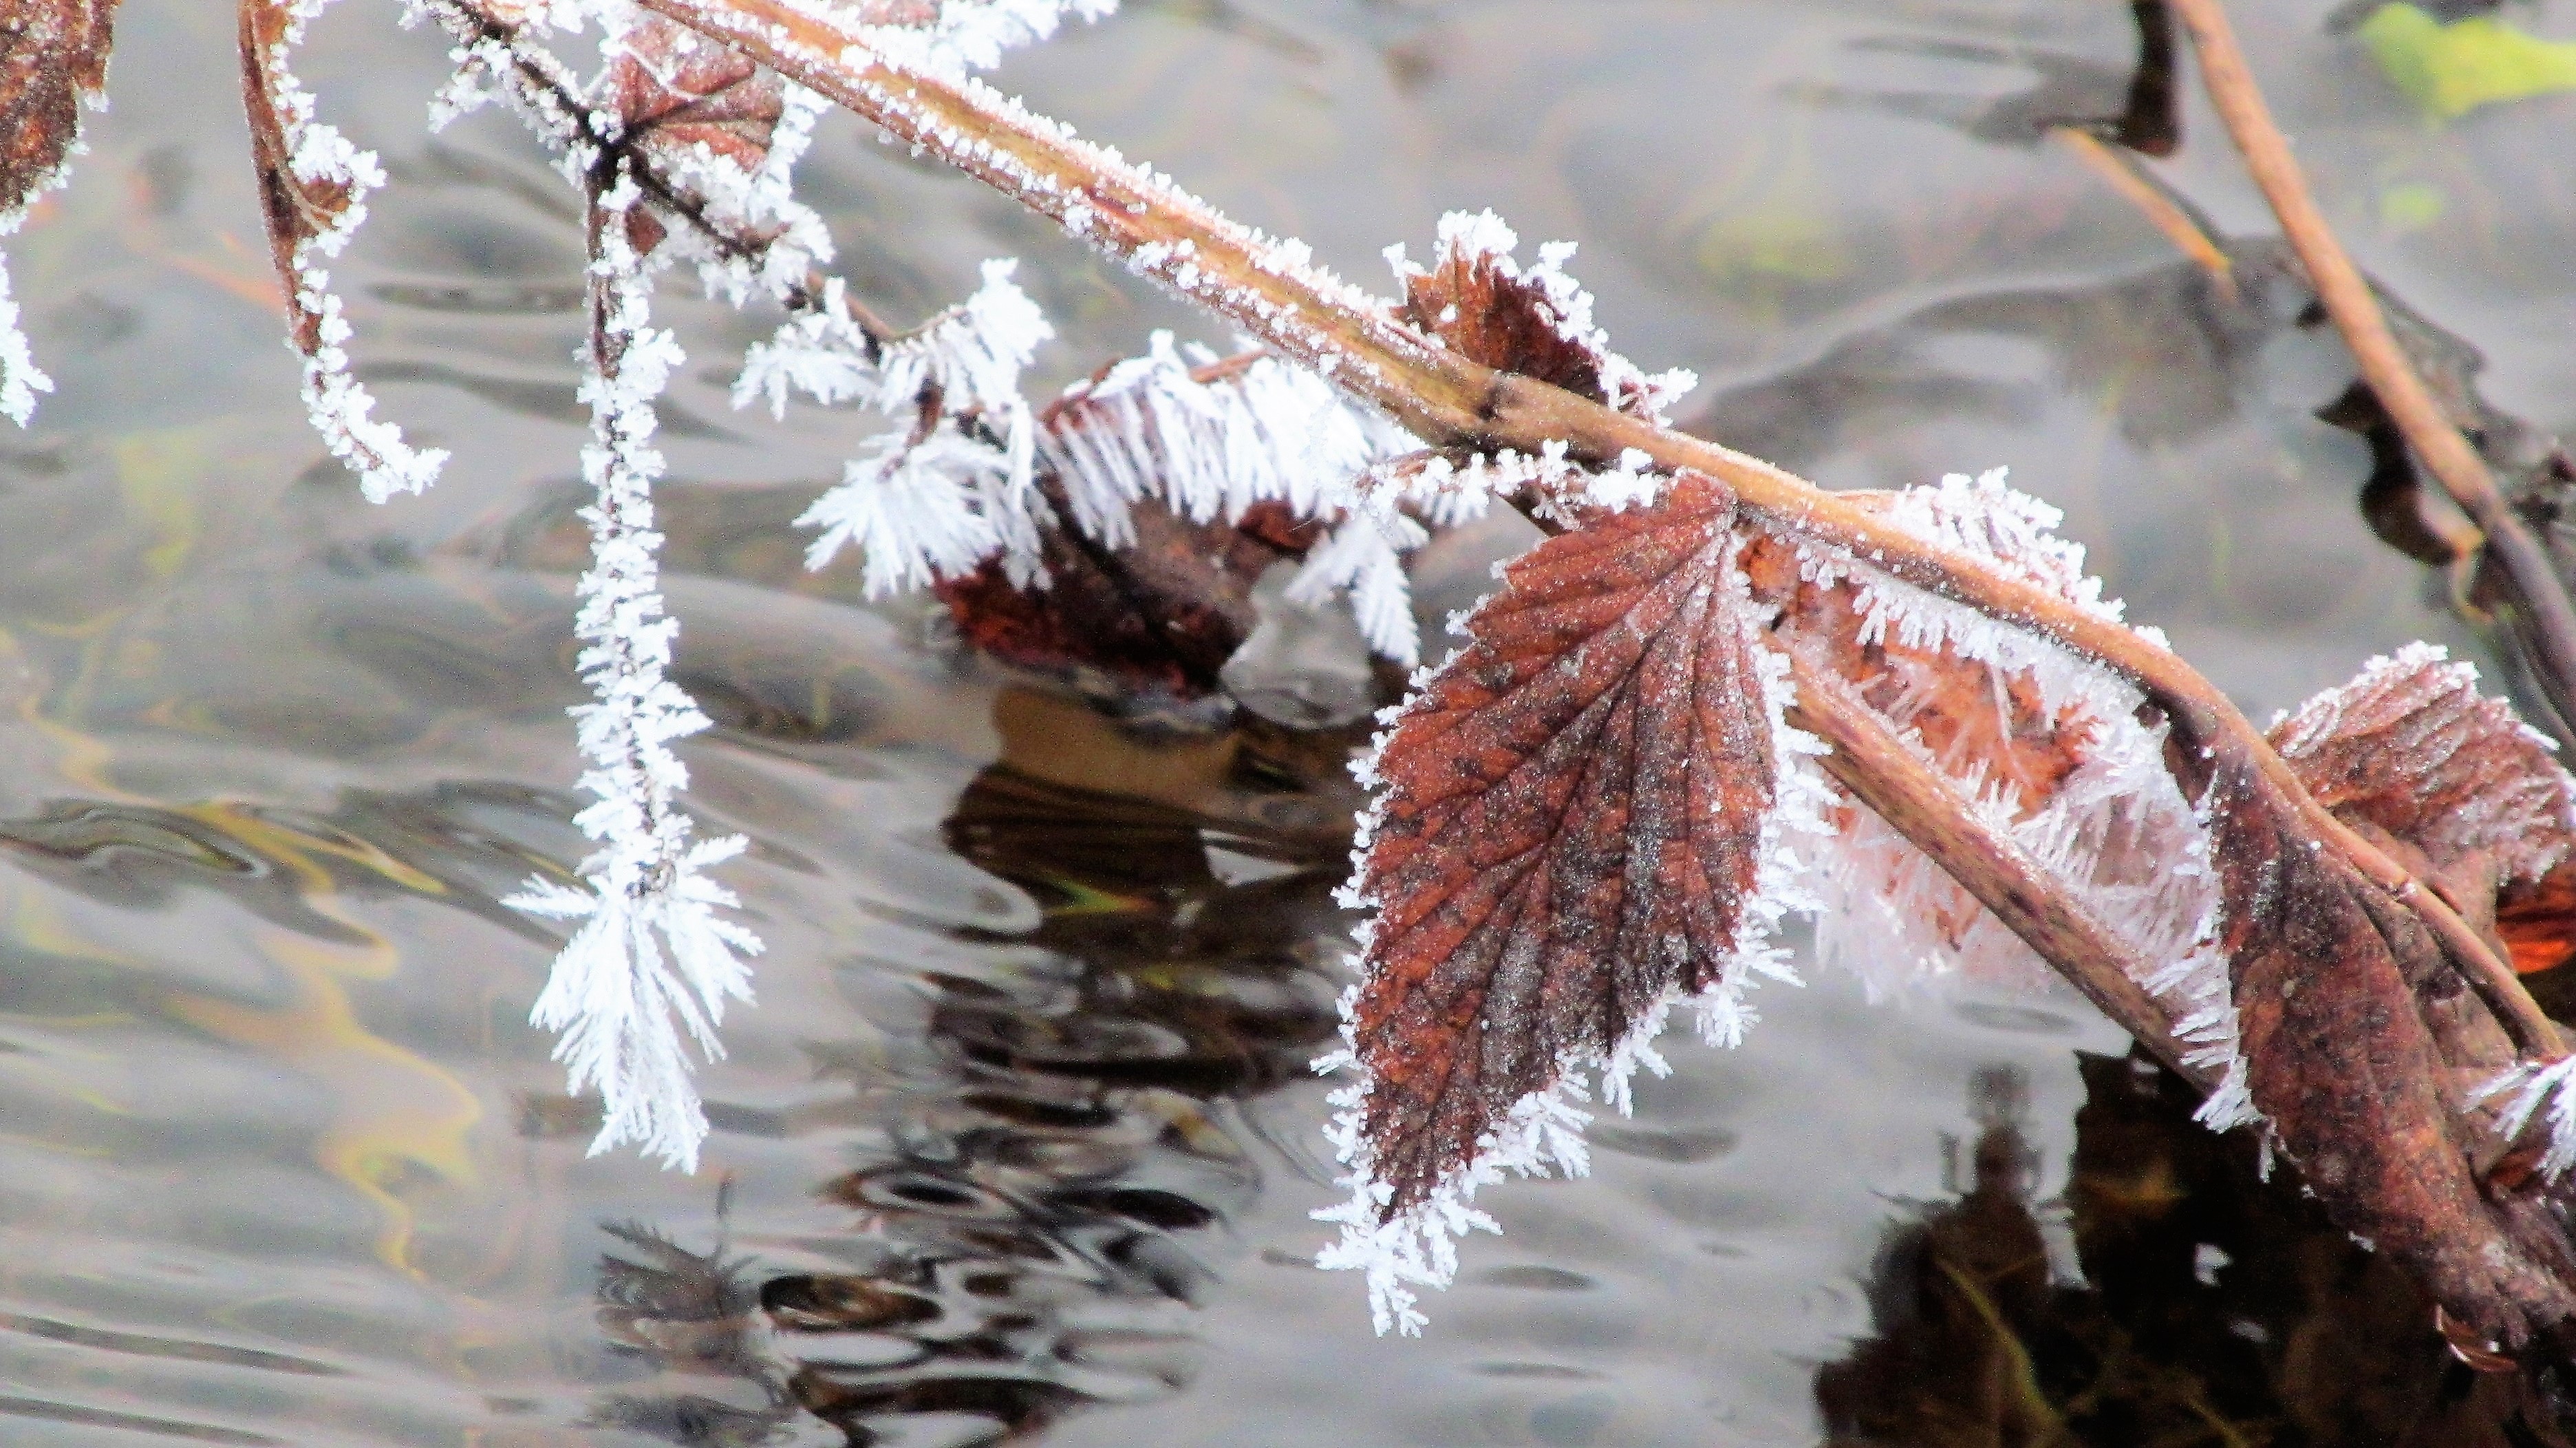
x=1019, y=1138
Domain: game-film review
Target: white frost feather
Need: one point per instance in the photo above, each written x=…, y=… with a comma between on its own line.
x=2538, y=1086
x=2117, y=830
x=917, y=512
x=654, y=955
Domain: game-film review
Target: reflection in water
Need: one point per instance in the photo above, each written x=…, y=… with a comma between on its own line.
x=2213, y=1306
x=1045, y=1206
x=2132, y=104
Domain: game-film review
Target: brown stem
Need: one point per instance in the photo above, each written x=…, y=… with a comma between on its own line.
x=1168, y=234
x=2384, y=365
x=1902, y=788
x=2121, y=174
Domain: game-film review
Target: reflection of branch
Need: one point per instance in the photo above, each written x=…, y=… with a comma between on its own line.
x=2348, y=300
x=1443, y=396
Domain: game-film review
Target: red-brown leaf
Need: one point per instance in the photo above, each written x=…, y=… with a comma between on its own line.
x=1568, y=831
x=53, y=56
x=671, y=86
x=2412, y=748
x=1487, y=309
x=676, y=91
x=2343, y=1065
x=1161, y=615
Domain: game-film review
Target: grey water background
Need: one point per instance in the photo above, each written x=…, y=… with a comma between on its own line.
x=1018, y=1137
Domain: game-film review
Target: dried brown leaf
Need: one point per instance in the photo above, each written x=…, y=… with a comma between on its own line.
x=1973, y=720
x=1570, y=829
x=1534, y=322
x=2326, y=970
x=674, y=91
x=1963, y=712
x=2411, y=747
x=1160, y=615
x=53, y=57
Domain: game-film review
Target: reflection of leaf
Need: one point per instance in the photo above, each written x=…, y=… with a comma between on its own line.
x=2213, y=1306
x=2450, y=70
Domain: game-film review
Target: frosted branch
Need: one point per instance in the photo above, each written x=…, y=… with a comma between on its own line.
x=313, y=186
x=655, y=955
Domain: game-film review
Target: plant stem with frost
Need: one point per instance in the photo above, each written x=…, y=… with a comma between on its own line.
x=1273, y=291
x=653, y=956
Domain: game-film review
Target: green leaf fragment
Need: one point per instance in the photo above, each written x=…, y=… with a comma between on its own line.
x=2450, y=70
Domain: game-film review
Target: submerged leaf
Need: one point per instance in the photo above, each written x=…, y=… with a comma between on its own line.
x=1579, y=823
x=2450, y=70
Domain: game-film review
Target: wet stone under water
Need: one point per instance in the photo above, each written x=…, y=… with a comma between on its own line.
x=1019, y=1141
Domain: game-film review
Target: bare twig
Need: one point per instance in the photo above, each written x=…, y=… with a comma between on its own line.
x=2348, y=301
x=1162, y=231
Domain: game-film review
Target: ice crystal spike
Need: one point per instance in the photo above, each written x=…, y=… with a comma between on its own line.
x=654, y=959
x=2549, y=1092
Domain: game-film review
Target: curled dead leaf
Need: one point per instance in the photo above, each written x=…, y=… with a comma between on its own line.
x=2344, y=1067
